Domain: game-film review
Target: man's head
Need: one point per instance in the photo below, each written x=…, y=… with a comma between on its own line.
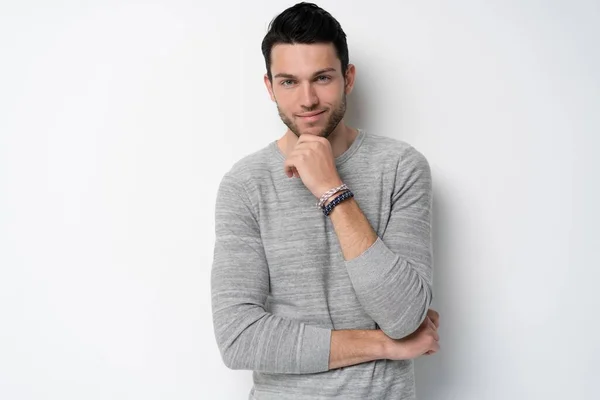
x=308, y=72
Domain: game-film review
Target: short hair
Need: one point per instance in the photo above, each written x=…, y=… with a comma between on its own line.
x=305, y=23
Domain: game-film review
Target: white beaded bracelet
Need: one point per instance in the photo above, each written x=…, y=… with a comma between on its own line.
x=330, y=193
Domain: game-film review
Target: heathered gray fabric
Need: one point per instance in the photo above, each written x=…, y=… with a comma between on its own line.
x=280, y=284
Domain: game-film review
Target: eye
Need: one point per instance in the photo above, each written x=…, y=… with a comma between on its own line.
x=323, y=78
x=286, y=82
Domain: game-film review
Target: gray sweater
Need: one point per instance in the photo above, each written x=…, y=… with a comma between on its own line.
x=280, y=284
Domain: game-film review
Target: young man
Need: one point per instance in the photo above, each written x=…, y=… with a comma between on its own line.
x=328, y=301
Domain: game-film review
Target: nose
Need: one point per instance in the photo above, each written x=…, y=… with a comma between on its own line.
x=309, y=98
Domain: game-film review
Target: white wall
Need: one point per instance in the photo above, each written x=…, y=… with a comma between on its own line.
x=117, y=120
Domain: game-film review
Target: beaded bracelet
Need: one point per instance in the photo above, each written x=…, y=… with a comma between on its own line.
x=330, y=193
x=344, y=196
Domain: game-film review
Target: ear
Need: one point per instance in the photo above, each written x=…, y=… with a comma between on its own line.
x=350, y=78
x=269, y=86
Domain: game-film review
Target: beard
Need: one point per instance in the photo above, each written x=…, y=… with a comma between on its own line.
x=332, y=122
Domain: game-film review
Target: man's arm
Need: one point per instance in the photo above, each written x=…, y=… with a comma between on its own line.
x=250, y=338
x=349, y=347
x=392, y=274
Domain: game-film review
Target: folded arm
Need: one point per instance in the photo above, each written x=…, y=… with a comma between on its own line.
x=392, y=274
x=249, y=337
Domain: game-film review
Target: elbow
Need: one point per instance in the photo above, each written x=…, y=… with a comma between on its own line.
x=232, y=330
x=402, y=330
x=410, y=318
x=234, y=341
x=230, y=360
x=226, y=352
x=226, y=342
x=230, y=355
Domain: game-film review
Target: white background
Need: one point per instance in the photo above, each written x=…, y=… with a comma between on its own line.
x=118, y=119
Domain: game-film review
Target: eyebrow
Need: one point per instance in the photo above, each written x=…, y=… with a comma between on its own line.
x=290, y=76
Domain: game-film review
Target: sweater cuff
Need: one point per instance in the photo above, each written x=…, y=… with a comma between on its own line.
x=373, y=265
x=314, y=349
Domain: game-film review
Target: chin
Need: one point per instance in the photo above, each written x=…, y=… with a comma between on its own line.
x=313, y=130
x=314, y=133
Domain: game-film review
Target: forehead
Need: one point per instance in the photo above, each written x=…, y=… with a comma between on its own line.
x=303, y=59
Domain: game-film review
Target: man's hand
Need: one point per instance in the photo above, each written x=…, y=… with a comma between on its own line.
x=424, y=341
x=434, y=316
x=312, y=161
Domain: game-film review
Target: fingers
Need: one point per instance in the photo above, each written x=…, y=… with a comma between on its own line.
x=434, y=346
x=290, y=168
x=310, y=143
x=434, y=332
x=434, y=316
x=291, y=171
x=431, y=326
x=435, y=349
x=297, y=157
x=306, y=147
x=311, y=139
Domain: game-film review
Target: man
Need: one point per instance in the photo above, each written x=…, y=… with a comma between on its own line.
x=330, y=301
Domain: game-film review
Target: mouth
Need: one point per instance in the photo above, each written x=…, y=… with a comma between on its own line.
x=311, y=116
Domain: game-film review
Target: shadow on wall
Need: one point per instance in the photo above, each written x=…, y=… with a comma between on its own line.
x=357, y=115
x=364, y=108
x=433, y=374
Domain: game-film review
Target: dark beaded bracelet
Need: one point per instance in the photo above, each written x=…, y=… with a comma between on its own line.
x=344, y=196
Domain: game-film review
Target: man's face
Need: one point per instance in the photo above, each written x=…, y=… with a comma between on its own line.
x=308, y=87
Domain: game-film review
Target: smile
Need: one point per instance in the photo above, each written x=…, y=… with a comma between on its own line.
x=311, y=116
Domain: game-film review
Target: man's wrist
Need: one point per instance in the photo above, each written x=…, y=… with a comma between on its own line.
x=329, y=200
x=350, y=347
x=334, y=196
x=380, y=344
x=337, y=184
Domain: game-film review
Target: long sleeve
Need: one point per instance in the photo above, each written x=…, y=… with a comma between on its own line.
x=393, y=278
x=248, y=337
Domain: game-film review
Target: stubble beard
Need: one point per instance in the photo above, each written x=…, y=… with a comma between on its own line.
x=330, y=126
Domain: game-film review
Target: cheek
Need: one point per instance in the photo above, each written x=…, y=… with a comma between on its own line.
x=331, y=95
x=286, y=102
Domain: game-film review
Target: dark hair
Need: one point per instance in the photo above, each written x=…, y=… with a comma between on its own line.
x=305, y=23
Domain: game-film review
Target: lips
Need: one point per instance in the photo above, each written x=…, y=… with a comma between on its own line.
x=311, y=114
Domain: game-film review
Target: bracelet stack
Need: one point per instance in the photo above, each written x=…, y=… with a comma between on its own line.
x=330, y=193
x=345, y=194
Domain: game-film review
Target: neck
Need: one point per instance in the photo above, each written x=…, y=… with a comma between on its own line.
x=341, y=139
